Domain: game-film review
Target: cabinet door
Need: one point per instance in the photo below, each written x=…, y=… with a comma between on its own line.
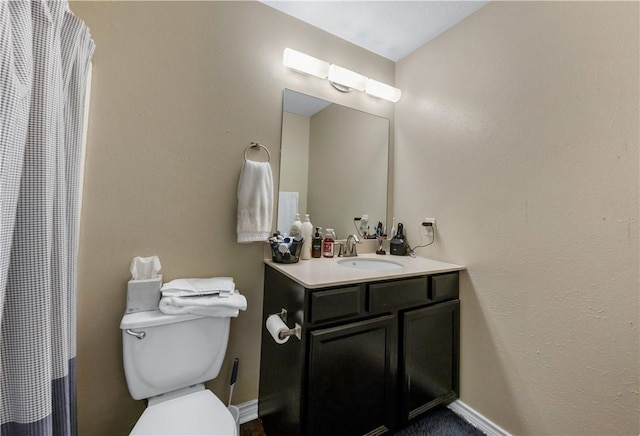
x=430, y=357
x=350, y=378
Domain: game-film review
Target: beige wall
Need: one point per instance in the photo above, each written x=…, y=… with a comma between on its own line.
x=179, y=90
x=518, y=131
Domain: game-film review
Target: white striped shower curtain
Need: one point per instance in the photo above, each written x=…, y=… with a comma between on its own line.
x=44, y=58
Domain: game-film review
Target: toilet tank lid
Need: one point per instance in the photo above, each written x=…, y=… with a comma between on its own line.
x=152, y=318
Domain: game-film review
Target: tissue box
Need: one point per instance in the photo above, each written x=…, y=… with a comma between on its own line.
x=143, y=295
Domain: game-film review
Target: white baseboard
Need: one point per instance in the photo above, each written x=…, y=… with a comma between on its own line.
x=476, y=419
x=248, y=411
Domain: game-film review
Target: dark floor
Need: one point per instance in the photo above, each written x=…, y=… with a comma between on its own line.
x=440, y=421
x=252, y=428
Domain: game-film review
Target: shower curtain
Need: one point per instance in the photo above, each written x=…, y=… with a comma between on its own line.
x=44, y=58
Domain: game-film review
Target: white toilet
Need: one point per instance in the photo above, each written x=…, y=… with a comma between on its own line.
x=167, y=358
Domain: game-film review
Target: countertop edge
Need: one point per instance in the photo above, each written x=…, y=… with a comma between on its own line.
x=292, y=271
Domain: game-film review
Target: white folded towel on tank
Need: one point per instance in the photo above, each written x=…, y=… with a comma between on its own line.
x=211, y=305
x=222, y=286
x=255, y=202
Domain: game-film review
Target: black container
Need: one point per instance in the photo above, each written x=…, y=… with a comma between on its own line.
x=398, y=245
x=292, y=256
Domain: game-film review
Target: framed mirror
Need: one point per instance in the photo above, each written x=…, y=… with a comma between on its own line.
x=334, y=165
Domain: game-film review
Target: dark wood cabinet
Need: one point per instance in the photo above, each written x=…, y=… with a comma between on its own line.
x=398, y=294
x=430, y=346
x=371, y=357
x=351, y=383
x=336, y=304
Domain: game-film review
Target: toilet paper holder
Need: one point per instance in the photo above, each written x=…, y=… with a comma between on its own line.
x=296, y=331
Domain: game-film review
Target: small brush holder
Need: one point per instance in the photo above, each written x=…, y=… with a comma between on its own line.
x=380, y=244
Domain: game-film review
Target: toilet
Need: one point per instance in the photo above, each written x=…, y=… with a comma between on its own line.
x=167, y=359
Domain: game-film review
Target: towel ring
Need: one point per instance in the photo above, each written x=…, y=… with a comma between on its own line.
x=257, y=146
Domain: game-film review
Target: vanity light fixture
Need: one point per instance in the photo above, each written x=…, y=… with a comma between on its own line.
x=304, y=63
x=346, y=80
x=382, y=90
x=341, y=78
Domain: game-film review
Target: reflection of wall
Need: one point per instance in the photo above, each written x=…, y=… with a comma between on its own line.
x=294, y=158
x=343, y=181
x=176, y=97
x=520, y=136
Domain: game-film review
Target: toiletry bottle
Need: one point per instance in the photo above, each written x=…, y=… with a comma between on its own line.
x=307, y=232
x=329, y=243
x=316, y=244
x=296, y=227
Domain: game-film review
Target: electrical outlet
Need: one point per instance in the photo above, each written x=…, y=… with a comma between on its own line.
x=429, y=225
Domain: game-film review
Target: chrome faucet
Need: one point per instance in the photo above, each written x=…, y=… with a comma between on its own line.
x=349, y=247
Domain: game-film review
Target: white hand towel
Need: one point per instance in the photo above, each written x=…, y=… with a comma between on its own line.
x=287, y=210
x=255, y=202
x=193, y=287
x=207, y=306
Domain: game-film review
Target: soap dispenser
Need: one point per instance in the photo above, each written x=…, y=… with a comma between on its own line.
x=316, y=244
x=329, y=243
x=307, y=232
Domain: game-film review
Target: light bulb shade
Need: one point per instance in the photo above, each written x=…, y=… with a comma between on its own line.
x=304, y=63
x=382, y=90
x=347, y=78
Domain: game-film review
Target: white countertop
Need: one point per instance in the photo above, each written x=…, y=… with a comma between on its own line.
x=319, y=273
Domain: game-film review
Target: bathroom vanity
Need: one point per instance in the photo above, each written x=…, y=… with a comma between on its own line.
x=377, y=348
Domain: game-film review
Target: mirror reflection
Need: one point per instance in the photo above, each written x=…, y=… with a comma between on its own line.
x=333, y=165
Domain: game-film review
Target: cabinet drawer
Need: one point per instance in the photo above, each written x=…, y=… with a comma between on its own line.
x=336, y=304
x=397, y=294
x=443, y=287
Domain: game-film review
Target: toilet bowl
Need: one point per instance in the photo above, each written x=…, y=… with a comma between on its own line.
x=167, y=359
x=199, y=413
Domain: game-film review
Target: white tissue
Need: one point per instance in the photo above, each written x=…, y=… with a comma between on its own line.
x=144, y=268
x=275, y=326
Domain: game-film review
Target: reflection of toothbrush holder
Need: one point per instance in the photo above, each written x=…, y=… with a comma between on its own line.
x=364, y=225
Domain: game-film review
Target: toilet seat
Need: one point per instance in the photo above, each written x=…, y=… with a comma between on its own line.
x=199, y=413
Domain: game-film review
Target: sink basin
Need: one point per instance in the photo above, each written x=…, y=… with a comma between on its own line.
x=369, y=264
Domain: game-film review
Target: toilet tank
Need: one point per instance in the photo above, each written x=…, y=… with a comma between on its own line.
x=176, y=351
